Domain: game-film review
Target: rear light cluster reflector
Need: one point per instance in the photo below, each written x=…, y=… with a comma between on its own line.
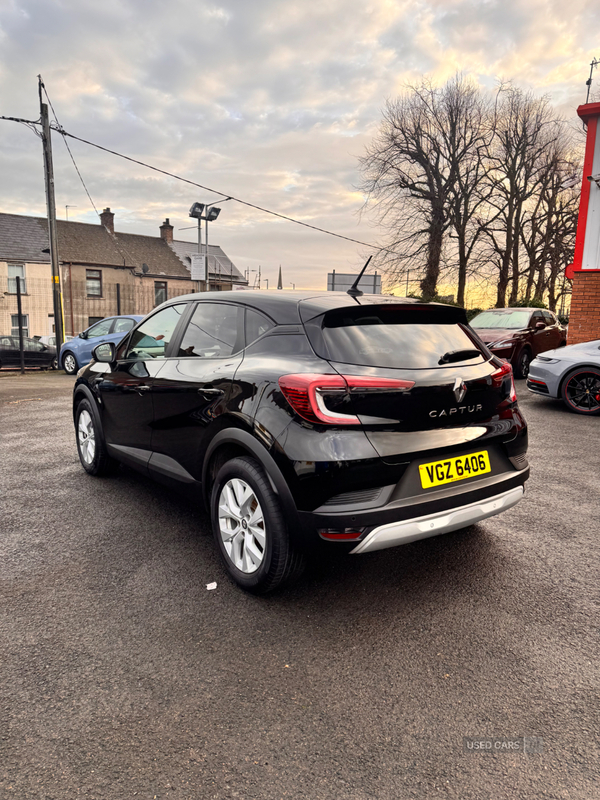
x=306, y=394
x=340, y=534
x=500, y=375
x=538, y=384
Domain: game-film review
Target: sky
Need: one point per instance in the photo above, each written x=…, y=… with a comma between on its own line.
x=269, y=101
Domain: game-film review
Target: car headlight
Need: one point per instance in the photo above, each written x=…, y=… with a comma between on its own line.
x=505, y=343
x=547, y=360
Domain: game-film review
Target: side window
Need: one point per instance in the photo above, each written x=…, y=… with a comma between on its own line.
x=548, y=318
x=100, y=329
x=256, y=325
x=214, y=331
x=123, y=325
x=537, y=317
x=152, y=338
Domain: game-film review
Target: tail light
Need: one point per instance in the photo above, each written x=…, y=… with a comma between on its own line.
x=306, y=394
x=502, y=374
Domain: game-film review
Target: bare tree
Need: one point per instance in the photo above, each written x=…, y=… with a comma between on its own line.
x=549, y=222
x=524, y=129
x=474, y=187
x=408, y=174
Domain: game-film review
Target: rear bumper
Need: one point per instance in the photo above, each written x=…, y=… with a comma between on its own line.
x=410, y=530
x=397, y=511
x=542, y=380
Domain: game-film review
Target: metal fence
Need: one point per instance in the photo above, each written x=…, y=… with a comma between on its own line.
x=80, y=309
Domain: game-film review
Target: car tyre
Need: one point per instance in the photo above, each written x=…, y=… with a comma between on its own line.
x=581, y=391
x=250, y=529
x=54, y=363
x=69, y=363
x=523, y=363
x=90, y=442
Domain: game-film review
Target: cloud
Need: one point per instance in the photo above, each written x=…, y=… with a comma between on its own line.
x=272, y=101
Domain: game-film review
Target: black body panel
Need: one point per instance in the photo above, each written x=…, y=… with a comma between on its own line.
x=178, y=416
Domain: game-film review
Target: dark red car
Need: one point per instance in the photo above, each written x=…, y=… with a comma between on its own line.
x=519, y=334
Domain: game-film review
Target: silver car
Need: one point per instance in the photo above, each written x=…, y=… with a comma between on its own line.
x=571, y=373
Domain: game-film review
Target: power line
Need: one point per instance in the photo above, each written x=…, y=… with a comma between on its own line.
x=122, y=250
x=221, y=194
x=59, y=129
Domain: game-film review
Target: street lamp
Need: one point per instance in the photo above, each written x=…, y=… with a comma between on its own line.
x=208, y=213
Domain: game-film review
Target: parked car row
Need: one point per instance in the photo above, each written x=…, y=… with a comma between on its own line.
x=35, y=354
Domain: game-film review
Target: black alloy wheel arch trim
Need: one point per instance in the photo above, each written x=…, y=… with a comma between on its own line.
x=82, y=392
x=257, y=450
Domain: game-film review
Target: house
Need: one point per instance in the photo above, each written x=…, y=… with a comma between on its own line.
x=103, y=272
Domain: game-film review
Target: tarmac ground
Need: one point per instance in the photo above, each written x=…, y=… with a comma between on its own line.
x=124, y=677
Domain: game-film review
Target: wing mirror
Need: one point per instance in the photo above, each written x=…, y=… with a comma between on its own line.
x=539, y=326
x=105, y=353
x=83, y=335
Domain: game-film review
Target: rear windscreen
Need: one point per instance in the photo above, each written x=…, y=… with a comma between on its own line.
x=414, y=338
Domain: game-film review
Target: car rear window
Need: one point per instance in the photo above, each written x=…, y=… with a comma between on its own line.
x=406, y=338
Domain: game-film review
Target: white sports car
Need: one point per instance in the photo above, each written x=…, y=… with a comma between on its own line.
x=571, y=373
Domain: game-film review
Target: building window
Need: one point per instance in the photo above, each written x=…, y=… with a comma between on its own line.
x=94, y=320
x=14, y=324
x=93, y=282
x=160, y=292
x=16, y=271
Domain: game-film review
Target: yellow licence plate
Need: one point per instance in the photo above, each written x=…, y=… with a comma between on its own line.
x=454, y=469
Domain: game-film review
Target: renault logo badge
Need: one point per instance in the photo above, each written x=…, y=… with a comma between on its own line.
x=460, y=390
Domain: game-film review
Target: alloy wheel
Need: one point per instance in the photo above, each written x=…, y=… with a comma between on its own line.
x=242, y=525
x=583, y=391
x=524, y=362
x=86, y=437
x=69, y=364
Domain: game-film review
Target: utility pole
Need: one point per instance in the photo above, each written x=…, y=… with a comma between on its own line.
x=20, y=320
x=51, y=210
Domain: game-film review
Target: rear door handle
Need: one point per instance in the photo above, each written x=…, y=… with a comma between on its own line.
x=142, y=389
x=210, y=392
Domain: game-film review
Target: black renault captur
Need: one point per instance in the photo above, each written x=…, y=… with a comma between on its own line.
x=303, y=418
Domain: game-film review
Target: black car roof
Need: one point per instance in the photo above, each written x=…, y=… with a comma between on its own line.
x=292, y=307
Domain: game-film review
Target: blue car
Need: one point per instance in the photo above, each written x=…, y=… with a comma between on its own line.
x=77, y=352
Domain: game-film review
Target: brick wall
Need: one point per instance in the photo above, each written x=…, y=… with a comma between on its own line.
x=584, y=320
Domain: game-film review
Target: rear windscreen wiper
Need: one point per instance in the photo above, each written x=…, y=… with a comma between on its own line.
x=459, y=355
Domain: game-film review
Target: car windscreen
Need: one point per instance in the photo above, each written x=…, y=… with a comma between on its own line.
x=514, y=320
x=409, y=338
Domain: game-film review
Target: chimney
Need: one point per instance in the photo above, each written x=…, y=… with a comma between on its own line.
x=166, y=231
x=107, y=218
